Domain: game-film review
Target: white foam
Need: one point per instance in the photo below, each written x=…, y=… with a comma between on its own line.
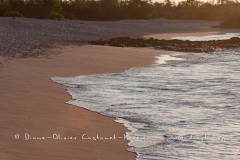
x=163, y=59
x=126, y=124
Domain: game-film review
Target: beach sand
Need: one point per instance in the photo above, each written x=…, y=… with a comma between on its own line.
x=31, y=103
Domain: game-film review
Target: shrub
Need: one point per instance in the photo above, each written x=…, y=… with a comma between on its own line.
x=55, y=15
x=13, y=14
x=3, y=9
x=69, y=16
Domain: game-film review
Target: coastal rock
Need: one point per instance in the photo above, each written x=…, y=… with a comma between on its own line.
x=172, y=45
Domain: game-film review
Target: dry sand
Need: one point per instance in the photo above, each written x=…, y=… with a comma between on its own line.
x=31, y=103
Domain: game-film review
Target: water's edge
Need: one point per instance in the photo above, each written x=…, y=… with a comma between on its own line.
x=160, y=60
x=166, y=56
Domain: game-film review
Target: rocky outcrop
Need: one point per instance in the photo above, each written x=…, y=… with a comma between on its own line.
x=172, y=45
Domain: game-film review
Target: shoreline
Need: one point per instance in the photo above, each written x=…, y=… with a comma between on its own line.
x=40, y=105
x=31, y=103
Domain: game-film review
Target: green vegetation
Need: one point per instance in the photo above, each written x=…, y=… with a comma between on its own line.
x=55, y=15
x=123, y=9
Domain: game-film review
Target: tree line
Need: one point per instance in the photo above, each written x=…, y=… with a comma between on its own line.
x=120, y=9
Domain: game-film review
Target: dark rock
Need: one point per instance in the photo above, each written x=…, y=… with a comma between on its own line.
x=173, y=45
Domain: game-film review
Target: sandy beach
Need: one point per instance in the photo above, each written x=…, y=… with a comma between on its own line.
x=31, y=103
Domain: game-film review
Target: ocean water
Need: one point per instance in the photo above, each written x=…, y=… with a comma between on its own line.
x=210, y=37
x=185, y=107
